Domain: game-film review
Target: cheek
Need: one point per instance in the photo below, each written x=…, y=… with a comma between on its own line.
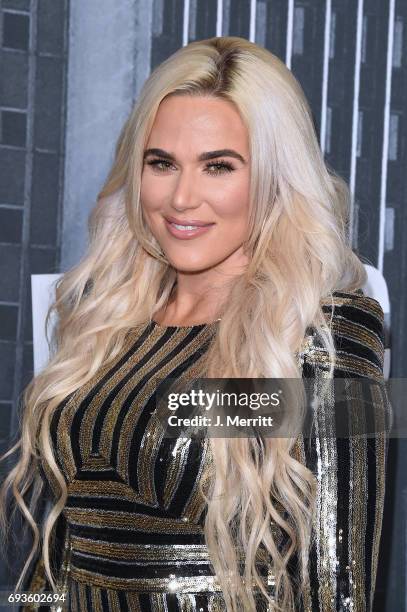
x=232, y=203
x=151, y=193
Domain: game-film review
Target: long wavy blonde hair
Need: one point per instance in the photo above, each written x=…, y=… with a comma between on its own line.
x=298, y=256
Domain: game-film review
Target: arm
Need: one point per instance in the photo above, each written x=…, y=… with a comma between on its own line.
x=37, y=581
x=350, y=471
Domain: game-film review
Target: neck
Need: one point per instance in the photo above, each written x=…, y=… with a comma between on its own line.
x=199, y=297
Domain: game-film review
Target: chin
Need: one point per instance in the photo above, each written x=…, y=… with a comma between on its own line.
x=191, y=266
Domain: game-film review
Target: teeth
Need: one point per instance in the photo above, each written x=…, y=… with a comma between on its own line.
x=185, y=227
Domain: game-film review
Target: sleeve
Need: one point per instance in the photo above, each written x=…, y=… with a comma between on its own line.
x=37, y=583
x=350, y=470
x=37, y=580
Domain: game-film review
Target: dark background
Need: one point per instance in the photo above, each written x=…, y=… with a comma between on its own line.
x=69, y=74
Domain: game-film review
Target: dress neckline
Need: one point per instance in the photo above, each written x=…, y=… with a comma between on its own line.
x=195, y=326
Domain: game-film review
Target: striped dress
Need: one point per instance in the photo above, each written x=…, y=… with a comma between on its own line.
x=131, y=534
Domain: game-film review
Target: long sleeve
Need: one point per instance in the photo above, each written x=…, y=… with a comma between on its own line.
x=350, y=470
x=37, y=581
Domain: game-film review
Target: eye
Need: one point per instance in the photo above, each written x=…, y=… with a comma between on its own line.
x=219, y=167
x=155, y=163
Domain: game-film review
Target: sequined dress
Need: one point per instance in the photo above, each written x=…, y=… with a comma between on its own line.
x=133, y=521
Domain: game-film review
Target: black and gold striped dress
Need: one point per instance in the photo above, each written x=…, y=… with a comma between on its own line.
x=133, y=522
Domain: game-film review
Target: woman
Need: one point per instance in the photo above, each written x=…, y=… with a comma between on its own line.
x=262, y=284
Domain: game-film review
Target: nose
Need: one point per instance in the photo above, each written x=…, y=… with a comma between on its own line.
x=185, y=194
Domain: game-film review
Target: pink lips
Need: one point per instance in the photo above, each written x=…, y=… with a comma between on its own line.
x=187, y=234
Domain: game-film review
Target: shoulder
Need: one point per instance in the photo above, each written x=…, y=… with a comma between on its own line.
x=354, y=308
x=357, y=325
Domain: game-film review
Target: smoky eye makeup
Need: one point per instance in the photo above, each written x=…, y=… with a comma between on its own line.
x=220, y=166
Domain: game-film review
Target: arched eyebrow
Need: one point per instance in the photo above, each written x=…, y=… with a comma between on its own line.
x=202, y=157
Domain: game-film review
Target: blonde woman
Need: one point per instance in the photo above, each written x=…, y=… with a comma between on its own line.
x=217, y=248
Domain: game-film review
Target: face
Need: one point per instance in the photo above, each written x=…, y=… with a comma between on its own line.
x=180, y=185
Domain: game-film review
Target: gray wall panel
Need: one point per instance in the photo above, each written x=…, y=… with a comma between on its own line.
x=107, y=41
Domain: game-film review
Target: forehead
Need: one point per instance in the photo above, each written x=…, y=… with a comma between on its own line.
x=198, y=119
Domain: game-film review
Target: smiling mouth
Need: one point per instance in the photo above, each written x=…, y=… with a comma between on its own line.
x=187, y=224
x=181, y=231
x=187, y=227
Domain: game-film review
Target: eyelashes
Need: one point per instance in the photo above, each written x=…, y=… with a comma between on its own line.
x=221, y=166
